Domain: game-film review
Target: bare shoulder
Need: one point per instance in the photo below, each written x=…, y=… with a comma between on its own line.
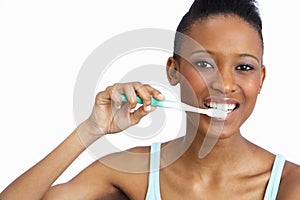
x=94, y=182
x=110, y=177
x=290, y=183
x=128, y=168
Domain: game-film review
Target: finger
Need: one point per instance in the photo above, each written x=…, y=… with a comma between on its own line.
x=138, y=114
x=122, y=118
x=116, y=100
x=102, y=98
x=143, y=92
x=147, y=92
x=129, y=90
x=155, y=93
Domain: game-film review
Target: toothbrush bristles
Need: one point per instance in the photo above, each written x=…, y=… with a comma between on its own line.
x=217, y=113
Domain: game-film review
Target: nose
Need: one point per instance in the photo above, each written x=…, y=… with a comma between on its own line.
x=224, y=82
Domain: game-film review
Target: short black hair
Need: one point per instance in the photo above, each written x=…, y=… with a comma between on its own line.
x=202, y=9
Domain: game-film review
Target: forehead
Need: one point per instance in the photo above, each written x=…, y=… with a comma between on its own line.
x=225, y=34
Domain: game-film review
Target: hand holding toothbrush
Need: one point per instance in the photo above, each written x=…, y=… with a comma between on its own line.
x=111, y=114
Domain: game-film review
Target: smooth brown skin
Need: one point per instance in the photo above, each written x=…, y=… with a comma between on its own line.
x=234, y=169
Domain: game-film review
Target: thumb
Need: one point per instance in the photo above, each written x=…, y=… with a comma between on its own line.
x=138, y=114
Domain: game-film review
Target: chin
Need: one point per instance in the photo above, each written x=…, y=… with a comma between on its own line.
x=218, y=129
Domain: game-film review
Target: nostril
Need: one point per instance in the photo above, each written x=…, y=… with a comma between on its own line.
x=224, y=87
x=230, y=87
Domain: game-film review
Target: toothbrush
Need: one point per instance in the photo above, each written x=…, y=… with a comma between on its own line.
x=215, y=113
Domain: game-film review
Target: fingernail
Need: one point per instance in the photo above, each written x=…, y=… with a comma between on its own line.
x=161, y=96
x=147, y=108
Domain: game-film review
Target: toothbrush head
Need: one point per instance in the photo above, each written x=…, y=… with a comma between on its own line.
x=217, y=113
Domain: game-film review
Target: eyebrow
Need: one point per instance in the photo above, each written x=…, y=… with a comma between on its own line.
x=249, y=55
x=241, y=55
x=202, y=51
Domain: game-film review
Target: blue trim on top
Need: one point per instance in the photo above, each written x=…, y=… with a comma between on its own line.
x=275, y=178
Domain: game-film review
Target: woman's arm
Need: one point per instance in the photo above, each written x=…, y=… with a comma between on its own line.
x=94, y=182
x=109, y=115
x=290, y=183
x=35, y=182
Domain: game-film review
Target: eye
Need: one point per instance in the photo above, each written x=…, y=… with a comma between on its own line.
x=203, y=64
x=244, y=67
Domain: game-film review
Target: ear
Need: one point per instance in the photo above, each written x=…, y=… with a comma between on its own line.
x=263, y=76
x=173, y=71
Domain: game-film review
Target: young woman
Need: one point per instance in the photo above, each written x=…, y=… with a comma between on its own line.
x=225, y=72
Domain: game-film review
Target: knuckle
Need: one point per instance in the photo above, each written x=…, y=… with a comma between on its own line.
x=99, y=95
x=108, y=88
x=115, y=86
x=137, y=84
x=148, y=98
x=147, y=85
x=133, y=100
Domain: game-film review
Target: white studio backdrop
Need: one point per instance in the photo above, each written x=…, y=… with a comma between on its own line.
x=43, y=45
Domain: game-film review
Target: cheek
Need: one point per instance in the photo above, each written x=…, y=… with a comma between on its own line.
x=192, y=81
x=250, y=85
x=194, y=77
x=250, y=88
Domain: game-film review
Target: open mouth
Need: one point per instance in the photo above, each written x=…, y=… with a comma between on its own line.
x=226, y=105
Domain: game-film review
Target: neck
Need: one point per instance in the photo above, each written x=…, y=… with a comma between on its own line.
x=216, y=155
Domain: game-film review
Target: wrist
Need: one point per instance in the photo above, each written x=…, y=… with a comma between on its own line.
x=88, y=133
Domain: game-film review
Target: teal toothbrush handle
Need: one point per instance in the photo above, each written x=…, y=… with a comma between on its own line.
x=181, y=106
x=154, y=102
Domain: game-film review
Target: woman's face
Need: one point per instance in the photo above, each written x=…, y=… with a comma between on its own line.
x=226, y=72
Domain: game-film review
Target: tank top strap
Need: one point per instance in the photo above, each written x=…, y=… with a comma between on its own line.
x=153, y=192
x=274, y=181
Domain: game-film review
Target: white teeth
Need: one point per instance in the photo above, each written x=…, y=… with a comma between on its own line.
x=219, y=106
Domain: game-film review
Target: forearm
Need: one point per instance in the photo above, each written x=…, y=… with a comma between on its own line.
x=110, y=115
x=35, y=182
